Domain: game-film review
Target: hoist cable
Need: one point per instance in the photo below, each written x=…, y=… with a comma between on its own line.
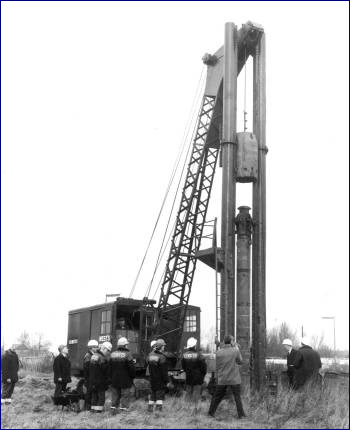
x=161, y=251
x=166, y=192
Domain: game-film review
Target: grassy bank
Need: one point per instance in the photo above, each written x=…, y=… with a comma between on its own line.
x=315, y=408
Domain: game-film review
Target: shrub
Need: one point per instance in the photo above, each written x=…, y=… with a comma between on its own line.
x=41, y=364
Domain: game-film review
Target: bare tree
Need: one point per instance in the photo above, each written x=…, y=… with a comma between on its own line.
x=317, y=341
x=208, y=339
x=40, y=342
x=24, y=339
x=274, y=339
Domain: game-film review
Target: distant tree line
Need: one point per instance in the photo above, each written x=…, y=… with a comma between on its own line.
x=275, y=336
x=274, y=339
x=35, y=345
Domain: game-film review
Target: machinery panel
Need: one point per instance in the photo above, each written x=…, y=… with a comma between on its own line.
x=247, y=157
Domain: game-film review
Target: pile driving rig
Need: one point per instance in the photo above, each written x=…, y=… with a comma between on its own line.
x=242, y=159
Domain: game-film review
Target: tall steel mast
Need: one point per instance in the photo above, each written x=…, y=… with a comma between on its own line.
x=242, y=160
x=228, y=201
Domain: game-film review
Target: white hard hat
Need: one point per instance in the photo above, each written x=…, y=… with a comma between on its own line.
x=107, y=345
x=159, y=343
x=305, y=341
x=287, y=342
x=92, y=343
x=153, y=342
x=122, y=341
x=191, y=342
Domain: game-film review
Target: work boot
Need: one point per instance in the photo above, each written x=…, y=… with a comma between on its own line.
x=150, y=408
x=114, y=410
x=159, y=408
x=123, y=409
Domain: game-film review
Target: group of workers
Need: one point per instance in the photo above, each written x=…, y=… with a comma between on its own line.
x=303, y=364
x=104, y=368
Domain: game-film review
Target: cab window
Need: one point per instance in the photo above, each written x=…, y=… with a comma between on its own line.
x=106, y=319
x=190, y=321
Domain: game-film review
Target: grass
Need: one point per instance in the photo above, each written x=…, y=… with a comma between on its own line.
x=313, y=408
x=40, y=364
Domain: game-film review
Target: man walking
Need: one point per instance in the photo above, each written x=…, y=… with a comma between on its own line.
x=292, y=359
x=228, y=376
x=122, y=376
x=307, y=365
x=92, y=348
x=61, y=370
x=159, y=378
x=99, y=376
x=9, y=375
x=195, y=366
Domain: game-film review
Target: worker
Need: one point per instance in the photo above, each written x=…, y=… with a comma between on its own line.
x=122, y=376
x=158, y=370
x=307, y=365
x=292, y=358
x=228, y=359
x=121, y=324
x=61, y=370
x=92, y=349
x=99, y=376
x=195, y=366
x=9, y=374
x=152, y=345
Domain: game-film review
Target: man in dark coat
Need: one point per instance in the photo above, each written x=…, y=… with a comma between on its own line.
x=307, y=365
x=292, y=359
x=61, y=370
x=99, y=375
x=228, y=359
x=195, y=366
x=158, y=370
x=9, y=374
x=122, y=375
x=92, y=348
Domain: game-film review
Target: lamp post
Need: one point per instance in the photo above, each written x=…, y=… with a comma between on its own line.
x=332, y=318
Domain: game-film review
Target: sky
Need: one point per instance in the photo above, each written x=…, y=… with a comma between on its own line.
x=98, y=97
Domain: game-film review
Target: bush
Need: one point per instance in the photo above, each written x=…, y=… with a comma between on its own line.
x=39, y=364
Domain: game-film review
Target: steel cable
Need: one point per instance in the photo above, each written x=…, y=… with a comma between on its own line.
x=161, y=251
x=169, y=184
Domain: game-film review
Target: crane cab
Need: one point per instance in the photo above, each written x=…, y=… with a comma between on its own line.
x=130, y=318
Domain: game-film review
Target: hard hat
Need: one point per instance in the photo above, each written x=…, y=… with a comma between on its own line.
x=191, y=342
x=287, y=342
x=107, y=345
x=92, y=343
x=153, y=342
x=159, y=343
x=122, y=341
x=305, y=341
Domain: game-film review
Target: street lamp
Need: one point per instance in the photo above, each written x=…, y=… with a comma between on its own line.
x=332, y=318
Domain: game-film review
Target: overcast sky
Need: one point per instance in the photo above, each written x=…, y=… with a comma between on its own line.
x=95, y=101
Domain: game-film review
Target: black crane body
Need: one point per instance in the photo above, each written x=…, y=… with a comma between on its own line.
x=242, y=160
